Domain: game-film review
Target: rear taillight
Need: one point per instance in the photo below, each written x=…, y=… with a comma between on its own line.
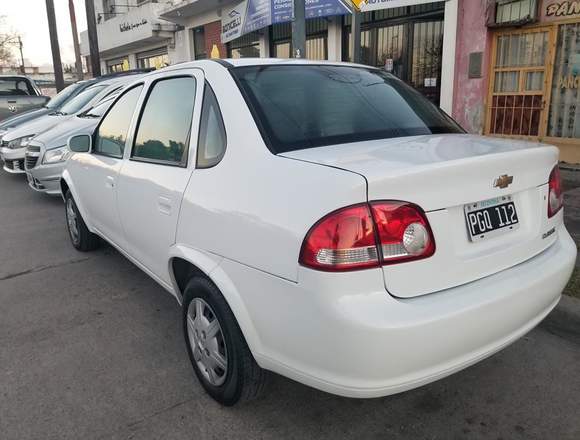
x=343, y=240
x=555, y=196
x=368, y=235
x=403, y=231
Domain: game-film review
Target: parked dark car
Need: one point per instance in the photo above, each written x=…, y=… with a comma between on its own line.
x=18, y=94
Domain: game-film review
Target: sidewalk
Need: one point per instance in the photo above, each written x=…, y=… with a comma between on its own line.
x=571, y=182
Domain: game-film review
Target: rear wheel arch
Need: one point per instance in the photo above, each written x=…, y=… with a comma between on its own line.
x=183, y=269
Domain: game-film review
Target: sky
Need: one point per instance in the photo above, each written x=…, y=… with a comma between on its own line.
x=28, y=18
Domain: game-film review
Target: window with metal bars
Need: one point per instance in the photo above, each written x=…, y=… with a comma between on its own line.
x=247, y=46
x=518, y=83
x=406, y=41
x=316, y=39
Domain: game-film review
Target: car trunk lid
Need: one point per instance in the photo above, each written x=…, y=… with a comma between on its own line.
x=442, y=174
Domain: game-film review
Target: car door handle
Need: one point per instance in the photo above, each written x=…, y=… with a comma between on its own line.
x=110, y=182
x=164, y=205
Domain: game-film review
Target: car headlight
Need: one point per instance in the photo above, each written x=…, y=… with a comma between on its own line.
x=56, y=155
x=20, y=142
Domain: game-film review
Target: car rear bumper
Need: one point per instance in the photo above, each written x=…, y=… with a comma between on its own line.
x=342, y=333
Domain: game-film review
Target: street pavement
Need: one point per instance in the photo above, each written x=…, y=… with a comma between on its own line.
x=91, y=348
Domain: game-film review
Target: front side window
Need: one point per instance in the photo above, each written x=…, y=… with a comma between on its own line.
x=112, y=133
x=212, y=134
x=327, y=105
x=165, y=123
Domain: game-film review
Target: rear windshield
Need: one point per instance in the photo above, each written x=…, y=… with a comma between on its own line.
x=63, y=96
x=14, y=86
x=298, y=107
x=82, y=99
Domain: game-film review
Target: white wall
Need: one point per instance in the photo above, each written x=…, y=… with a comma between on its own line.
x=448, y=58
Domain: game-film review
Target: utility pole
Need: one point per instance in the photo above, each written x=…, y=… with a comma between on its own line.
x=22, y=68
x=93, y=38
x=73, y=25
x=299, y=30
x=355, y=36
x=58, y=77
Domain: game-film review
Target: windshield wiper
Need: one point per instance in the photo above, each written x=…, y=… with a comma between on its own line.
x=57, y=113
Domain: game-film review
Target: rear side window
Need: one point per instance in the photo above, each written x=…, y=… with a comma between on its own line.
x=15, y=87
x=307, y=106
x=112, y=134
x=212, y=135
x=165, y=123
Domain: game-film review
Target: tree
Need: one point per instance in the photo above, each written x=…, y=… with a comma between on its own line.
x=8, y=43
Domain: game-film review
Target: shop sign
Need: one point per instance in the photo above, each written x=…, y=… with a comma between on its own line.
x=559, y=10
x=126, y=26
x=569, y=82
x=282, y=9
x=251, y=15
x=373, y=5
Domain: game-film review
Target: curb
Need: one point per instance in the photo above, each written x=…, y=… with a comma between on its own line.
x=564, y=320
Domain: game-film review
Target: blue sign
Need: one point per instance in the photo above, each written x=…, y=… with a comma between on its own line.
x=251, y=15
x=258, y=15
x=282, y=9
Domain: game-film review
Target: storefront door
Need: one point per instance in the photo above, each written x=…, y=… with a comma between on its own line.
x=409, y=46
x=519, y=83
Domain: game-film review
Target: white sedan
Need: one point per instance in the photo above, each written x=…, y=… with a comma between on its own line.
x=323, y=221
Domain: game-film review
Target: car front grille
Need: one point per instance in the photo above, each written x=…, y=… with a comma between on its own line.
x=4, y=144
x=32, y=156
x=31, y=161
x=15, y=165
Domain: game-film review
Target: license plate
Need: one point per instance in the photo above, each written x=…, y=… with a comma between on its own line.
x=491, y=217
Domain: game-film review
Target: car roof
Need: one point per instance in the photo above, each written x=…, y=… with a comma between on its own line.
x=15, y=77
x=243, y=62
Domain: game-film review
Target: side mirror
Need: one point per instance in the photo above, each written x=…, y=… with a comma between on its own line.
x=81, y=143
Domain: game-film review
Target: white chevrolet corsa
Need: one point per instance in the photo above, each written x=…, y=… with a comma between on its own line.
x=322, y=221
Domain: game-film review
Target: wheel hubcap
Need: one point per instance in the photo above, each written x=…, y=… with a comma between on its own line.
x=71, y=218
x=207, y=341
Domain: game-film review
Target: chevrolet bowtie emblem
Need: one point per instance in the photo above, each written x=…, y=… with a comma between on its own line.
x=503, y=181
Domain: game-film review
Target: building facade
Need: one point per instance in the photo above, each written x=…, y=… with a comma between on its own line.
x=520, y=78
x=508, y=68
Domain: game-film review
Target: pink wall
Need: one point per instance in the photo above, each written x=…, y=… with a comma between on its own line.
x=469, y=93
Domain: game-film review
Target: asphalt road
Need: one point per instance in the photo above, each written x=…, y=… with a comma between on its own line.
x=91, y=348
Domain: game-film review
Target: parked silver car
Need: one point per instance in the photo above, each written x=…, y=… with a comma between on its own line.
x=15, y=142
x=47, y=153
x=58, y=101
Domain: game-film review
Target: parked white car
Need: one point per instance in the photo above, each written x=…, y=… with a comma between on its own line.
x=15, y=141
x=47, y=153
x=322, y=221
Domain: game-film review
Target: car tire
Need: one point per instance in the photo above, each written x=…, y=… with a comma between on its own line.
x=241, y=379
x=80, y=236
